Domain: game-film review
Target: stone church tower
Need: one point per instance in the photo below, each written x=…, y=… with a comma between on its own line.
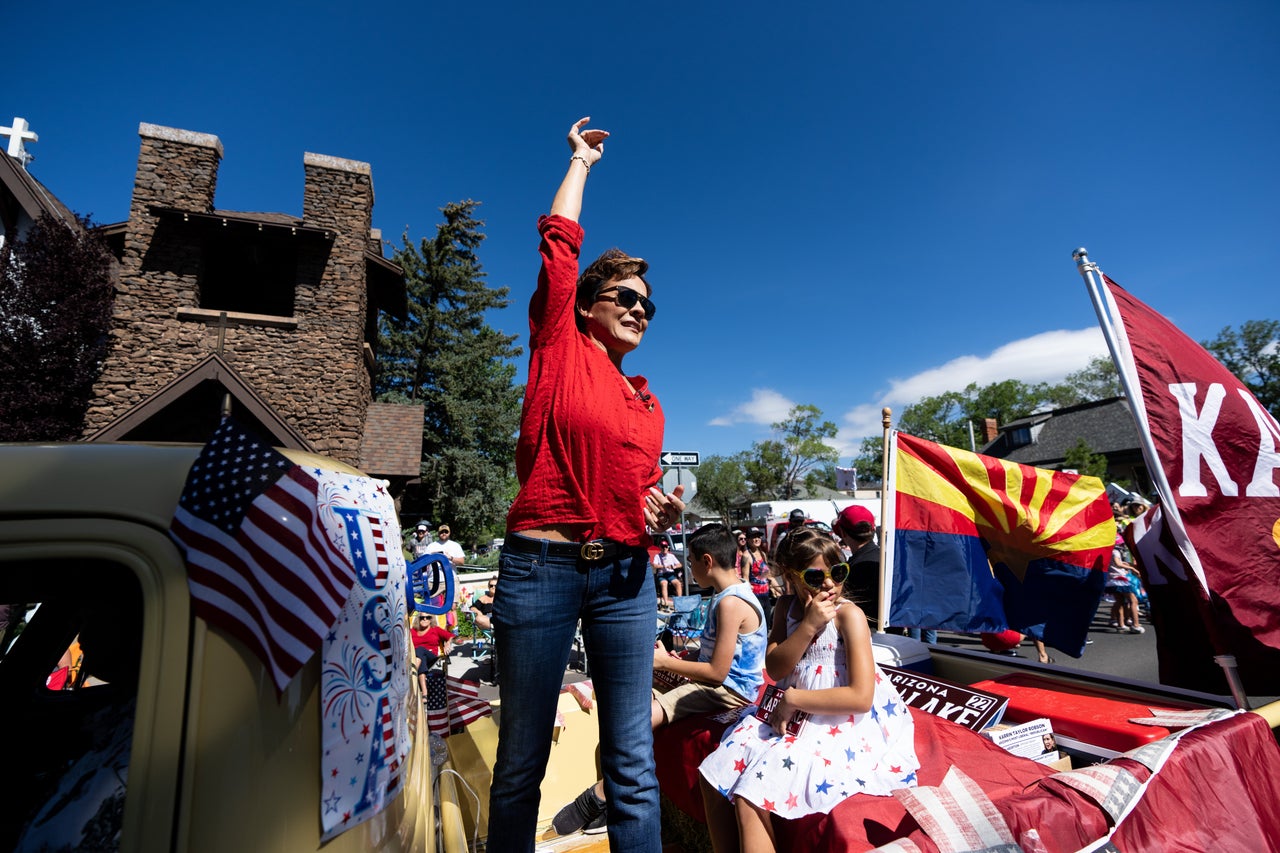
x=266, y=315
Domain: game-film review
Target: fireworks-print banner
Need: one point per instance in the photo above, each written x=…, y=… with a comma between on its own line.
x=364, y=681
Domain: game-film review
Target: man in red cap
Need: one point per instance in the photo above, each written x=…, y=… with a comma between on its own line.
x=856, y=527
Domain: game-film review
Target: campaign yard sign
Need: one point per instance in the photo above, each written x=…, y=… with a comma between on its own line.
x=974, y=709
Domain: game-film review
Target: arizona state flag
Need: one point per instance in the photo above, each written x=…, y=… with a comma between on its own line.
x=981, y=544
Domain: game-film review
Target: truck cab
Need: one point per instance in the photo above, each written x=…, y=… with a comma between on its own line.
x=164, y=733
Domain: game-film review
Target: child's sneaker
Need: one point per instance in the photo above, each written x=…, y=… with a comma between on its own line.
x=586, y=812
x=1137, y=629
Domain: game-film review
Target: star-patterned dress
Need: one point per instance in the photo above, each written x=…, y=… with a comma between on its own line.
x=832, y=758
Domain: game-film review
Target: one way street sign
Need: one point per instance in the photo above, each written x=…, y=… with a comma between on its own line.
x=679, y=459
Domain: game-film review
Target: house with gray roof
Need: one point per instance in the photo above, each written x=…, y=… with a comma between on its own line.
x=1044, y=439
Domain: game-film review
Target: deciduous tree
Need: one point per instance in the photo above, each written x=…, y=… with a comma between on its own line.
x=722, y=484
x=799, y=446
x=1083, y=460
x=1253, y=355
x=764, y=465
x=1098, y=380
x=56, y=297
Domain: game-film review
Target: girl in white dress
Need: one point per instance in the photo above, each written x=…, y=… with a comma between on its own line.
x=858, y=736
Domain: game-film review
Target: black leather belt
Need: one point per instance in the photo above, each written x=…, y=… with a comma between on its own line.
x=591, y=552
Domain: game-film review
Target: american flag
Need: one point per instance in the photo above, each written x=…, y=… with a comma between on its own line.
x=452, y=707
x=259, y=563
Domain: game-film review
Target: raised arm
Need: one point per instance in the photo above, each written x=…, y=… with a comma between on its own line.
x=587, y=147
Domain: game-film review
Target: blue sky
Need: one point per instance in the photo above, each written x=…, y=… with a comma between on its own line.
x=850, y=205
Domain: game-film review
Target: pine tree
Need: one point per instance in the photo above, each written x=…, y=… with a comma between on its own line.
x=56, y=296
x=446, y=357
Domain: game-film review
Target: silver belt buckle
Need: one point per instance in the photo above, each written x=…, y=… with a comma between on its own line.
x=591, y=551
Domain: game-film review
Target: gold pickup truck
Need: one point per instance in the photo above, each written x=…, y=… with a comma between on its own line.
x=166, y=734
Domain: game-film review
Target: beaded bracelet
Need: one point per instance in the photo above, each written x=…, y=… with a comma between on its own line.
x=584, y=161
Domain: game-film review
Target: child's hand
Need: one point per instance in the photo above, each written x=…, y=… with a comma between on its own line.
x=821, y=609
x=782, y=712
x=660, y=657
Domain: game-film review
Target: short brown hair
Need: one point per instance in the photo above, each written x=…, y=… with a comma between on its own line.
x=613, y=265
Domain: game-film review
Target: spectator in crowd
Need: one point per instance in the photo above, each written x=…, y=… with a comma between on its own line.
x=419, y=543
x=741, y=562
x=482, y=607
x=1122, y=585
x=764, y=583
x=795, y=521
x=855, y=527
x=444, y=544
x=430, y=641
x=666, y=569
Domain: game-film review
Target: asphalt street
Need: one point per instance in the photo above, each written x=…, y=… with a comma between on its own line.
x=1111, y=652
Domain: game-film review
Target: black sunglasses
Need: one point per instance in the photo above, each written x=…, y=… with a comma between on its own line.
x=627, y=299
x=814, y=576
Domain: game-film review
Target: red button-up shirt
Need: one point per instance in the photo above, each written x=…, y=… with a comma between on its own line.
x=588, y=447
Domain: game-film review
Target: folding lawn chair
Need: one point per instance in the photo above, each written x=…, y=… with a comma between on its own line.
x=689, y=618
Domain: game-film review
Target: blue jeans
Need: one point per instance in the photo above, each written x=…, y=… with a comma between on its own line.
x=539, y=602
x=927, y=635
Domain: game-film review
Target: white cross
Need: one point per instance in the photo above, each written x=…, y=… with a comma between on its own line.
x=17, y=134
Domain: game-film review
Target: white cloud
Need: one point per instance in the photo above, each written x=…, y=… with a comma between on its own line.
x=766, y=406
x=1046, y=357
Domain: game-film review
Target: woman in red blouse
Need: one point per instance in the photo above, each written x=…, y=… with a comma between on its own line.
x=587, y=461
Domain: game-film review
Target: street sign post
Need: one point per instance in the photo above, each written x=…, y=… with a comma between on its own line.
x=678, y=463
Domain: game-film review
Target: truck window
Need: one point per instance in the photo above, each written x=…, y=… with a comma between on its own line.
x=69, y=677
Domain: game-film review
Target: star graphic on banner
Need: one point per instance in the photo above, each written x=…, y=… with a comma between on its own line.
x=759, y=774
x=849, y=754
x=833, y=731
x=740, y=766
x=890, y=708
x=769, y=806
x=823, y=788
x=792, y=801
x=787, y=762
x=875, y=715
x=331, y=803
x=334, y=774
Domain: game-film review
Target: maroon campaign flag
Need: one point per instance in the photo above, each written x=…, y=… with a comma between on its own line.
x=1213, y=454
x=260, y=564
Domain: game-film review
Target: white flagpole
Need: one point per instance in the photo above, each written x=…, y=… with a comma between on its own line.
x=887, y=504
x=1122, y=355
